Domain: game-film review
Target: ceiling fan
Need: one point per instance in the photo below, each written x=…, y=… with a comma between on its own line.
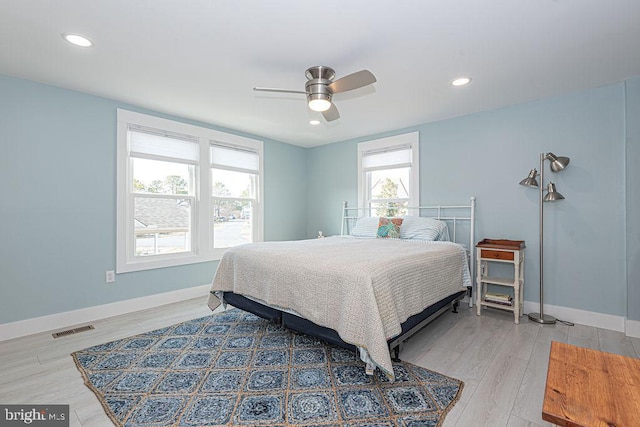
x=320, y=87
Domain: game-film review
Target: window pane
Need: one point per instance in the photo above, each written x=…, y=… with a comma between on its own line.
x=232, y=223
x=389, y=209
x=162, y=226
x=154, y=176
x=232, y=184
x=390, y=183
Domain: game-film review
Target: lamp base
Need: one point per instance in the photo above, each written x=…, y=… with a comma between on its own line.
x=545, y=319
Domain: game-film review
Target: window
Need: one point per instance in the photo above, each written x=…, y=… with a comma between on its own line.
x=234, y=179
x=388, y=175
x=185, y=193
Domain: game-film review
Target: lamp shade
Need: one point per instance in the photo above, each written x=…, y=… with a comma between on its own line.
x=557, y=163
x=530, y=181
x=552, y=194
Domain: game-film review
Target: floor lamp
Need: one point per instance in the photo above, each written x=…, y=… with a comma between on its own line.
x=557, y=164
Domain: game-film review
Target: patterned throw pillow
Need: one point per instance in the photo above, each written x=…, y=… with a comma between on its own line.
x=389, y=228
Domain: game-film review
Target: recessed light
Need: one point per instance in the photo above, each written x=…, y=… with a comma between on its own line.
x=461, y=81
x=77, y=40
x=314, y=122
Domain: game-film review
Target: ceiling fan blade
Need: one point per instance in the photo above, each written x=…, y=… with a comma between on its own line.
x=331, y=114
x=352, y=81
x=273, y=89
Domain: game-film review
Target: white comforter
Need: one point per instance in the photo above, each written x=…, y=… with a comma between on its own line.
x=361, y=288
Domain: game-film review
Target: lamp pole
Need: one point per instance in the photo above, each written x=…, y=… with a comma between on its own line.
x=541, y=317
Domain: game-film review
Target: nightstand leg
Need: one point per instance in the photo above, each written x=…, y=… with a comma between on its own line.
x=516, y=303
x=479, y=286
x=522, y=284
x=516, y=289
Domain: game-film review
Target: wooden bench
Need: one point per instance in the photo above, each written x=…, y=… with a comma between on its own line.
x=590, y=388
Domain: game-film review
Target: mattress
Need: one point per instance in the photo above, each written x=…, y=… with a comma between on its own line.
x=362, y=288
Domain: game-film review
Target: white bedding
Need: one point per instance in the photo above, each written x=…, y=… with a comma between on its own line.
x=361, y=288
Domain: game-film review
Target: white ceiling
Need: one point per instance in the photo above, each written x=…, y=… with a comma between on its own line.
x=200, y=59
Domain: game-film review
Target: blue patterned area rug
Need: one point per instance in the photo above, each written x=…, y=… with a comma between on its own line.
x=234, y=368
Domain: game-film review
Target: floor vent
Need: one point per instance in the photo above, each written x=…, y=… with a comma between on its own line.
x=72, y=331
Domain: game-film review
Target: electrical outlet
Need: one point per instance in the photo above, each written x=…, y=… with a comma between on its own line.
x=110, y=276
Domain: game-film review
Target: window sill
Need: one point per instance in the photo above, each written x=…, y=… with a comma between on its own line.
x=151, y=263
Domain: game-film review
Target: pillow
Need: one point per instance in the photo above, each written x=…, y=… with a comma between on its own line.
x=419, y=228
x=367, y=226
x=389, y=228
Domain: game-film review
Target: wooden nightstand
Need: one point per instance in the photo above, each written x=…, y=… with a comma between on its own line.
x=502, y=251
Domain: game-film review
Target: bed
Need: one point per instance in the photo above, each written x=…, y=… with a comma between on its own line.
x=356, y=290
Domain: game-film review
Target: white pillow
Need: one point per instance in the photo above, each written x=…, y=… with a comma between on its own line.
x=419, y=228
x=367, y=226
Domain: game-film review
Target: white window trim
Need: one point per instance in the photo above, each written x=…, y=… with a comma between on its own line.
x=392, y=142
x=203, y=244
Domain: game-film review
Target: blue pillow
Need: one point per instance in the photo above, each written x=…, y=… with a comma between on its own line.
x=367, y=226
x=419, y=228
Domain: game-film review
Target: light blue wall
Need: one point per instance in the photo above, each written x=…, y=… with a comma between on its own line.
x=486, y=155
x=331, y=181
x=57, y=209
x=285, y=192
x=57, y=212
x=633, y=197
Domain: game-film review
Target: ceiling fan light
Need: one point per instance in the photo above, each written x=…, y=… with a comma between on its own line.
x=319, y=104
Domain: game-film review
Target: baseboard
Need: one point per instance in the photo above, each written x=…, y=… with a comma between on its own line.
x=62, y=320
x=632, y=328
x=583, y=317
x=36, y=325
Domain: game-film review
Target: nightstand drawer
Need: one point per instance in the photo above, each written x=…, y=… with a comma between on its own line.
x=486, y=253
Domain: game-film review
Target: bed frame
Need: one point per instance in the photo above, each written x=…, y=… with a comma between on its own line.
x=456, y=216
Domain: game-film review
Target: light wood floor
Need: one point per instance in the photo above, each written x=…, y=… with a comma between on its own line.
x=503, y=365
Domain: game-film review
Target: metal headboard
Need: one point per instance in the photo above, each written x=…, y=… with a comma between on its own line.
x=448, y=213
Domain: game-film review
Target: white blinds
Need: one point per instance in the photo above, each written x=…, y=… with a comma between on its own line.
x=234, y=158
x=386, y=159
x=146, y=143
